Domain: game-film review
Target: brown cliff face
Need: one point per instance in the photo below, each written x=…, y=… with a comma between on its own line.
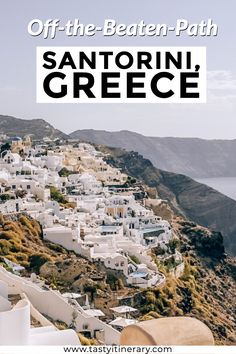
x=210, y=278
x=21, y=242
x=193, y=157
x=187, y=197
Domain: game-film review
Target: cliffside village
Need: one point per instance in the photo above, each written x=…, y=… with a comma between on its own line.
x=106, y=220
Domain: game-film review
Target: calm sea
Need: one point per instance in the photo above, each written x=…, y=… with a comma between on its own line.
x=225, y=185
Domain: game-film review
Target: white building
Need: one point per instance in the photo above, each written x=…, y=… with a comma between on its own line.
x=38, y=300
x=22, y=324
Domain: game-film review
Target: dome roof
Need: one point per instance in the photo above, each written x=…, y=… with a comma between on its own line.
x=16, y=138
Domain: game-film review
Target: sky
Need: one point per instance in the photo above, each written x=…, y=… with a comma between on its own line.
x=215, y=119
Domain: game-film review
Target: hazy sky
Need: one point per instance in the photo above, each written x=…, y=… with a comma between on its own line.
x=216, y=119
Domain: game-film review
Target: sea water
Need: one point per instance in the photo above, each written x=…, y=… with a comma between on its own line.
x=225, y=185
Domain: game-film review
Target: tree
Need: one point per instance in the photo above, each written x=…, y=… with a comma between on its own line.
x=64, y=172
x=4, y=197
x=173, y=244
x=57, y=195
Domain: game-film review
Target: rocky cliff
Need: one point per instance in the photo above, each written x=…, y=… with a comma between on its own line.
x=197, y=158
x=189, y=198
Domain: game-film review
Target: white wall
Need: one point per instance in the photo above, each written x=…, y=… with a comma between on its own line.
x=3, y=289
x=5, y=305
x=52, y=304
x=15, y=325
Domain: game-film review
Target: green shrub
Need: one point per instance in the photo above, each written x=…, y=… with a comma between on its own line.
x=112, y=280
x=150, y=297
x=5, y=197
x=57, y=195
x=64, y=172
x=5, y=247
x=173, y=245
x=8, y=235
x=38, y=259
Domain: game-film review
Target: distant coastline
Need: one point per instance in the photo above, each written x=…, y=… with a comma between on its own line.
x=225, y=185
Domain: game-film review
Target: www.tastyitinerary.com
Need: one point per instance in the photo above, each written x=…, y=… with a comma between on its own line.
x=118, y=349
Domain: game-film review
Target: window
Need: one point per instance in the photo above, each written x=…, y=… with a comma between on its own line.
x=28, y=186
x=13, y=186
